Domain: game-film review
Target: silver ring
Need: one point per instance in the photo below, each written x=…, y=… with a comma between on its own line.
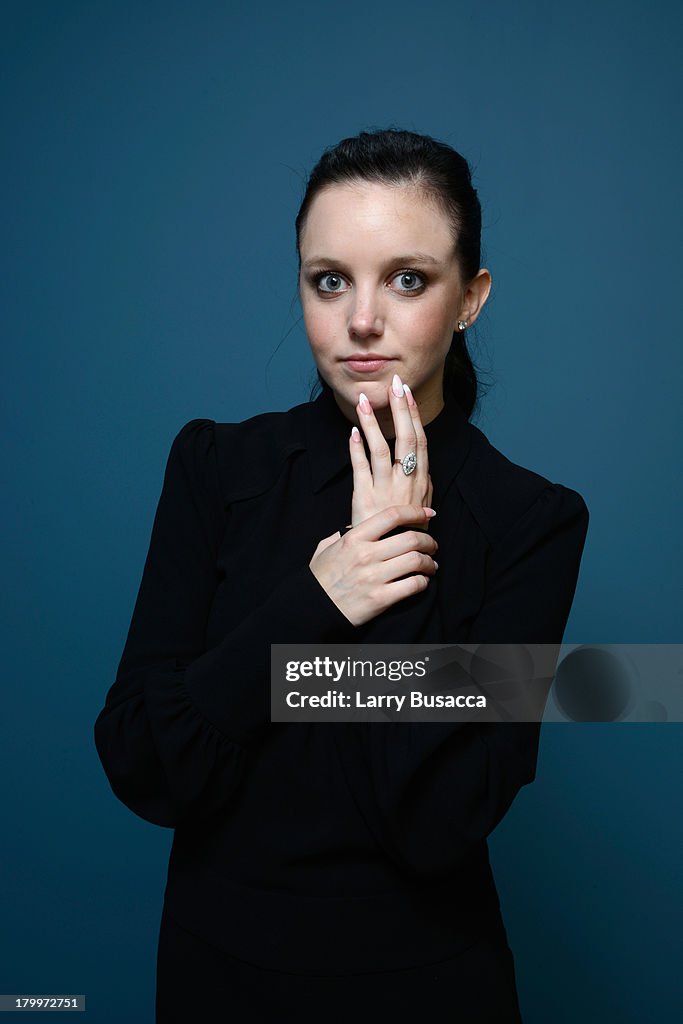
x=408, y=463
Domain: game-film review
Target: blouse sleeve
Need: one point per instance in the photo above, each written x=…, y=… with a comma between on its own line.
x=430, y=792
x=174, y=733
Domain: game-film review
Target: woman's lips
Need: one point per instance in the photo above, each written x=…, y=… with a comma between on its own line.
x=366, y=365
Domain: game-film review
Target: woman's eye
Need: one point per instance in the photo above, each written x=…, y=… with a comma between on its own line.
x=330, y=283
x=411, y=280
x=335, y=282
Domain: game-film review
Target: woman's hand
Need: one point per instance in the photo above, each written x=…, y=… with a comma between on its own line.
x=382, y=483
x=360, y=571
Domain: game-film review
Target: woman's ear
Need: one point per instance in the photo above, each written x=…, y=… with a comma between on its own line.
x=476, y=294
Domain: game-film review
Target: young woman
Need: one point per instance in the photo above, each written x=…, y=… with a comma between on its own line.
x=324, y=869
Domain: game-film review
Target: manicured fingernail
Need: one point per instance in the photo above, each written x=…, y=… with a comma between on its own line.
x=355, y=435
x=363, y=403
x=397, y=386
x=436, y=565
x=409, y=395
x=429, y=512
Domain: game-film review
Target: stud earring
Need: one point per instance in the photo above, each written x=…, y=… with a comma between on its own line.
x=462, y=324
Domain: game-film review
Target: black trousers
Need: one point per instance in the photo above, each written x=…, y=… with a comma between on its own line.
x=198, y=982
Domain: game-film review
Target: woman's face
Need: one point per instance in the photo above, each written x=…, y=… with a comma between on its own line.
x=379, y=278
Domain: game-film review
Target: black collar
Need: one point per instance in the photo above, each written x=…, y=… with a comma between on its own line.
x=327, y=433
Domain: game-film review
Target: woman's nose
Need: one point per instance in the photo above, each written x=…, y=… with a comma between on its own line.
x=366, y=317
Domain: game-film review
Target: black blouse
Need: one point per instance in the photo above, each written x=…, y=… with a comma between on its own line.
x=339, y=847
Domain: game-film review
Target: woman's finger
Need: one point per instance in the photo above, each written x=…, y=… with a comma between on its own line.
x=380, y=455
x=409, y=540
x=406, y=564
x=421, y=445
x=406, y=440
x=390, y=518
x=362, y=474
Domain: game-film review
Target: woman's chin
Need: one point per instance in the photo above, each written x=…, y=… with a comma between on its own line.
x=377, y=392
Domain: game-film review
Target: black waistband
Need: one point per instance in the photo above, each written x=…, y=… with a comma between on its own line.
x=337, y=934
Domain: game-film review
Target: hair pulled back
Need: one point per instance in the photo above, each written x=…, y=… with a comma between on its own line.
x=395, y=157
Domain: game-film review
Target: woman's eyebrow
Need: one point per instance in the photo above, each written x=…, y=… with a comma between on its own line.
x=415, y=257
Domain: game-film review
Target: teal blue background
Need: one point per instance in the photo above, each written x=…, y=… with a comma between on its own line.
x=154, y=156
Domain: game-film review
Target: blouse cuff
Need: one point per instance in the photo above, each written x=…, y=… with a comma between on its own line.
x=230, y=684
